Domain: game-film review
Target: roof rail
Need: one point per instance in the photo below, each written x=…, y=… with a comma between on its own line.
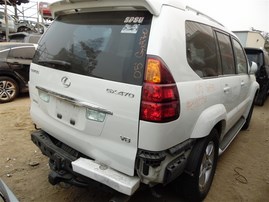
x=202, y=14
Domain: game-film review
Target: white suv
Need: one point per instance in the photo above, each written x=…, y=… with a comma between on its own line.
x=138, y=92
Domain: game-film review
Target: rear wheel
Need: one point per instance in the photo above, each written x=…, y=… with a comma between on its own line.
x=201, y=167
x=8, y=89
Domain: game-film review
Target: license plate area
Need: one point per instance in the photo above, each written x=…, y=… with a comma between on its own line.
x=69, y=113
x=75, y=117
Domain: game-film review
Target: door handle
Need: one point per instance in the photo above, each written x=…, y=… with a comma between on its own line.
x=242, y=83
x=226, y=89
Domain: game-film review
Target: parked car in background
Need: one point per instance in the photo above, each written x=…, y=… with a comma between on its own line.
x=261, y=57
x=24, y=37
x=15, y=59
x=44, y=10
x=31, y=26
x=24, y=25
x=11, y=23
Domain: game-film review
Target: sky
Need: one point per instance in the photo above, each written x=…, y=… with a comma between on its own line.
x=236, y=15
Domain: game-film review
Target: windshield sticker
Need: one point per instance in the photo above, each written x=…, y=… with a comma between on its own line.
x=134, y=20
x=130, y=29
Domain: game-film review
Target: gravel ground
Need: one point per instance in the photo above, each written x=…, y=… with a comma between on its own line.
x=242, y=173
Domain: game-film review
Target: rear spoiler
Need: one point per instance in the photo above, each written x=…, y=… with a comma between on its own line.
x=72, y=6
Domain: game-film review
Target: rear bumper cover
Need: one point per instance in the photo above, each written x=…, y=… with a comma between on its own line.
x=105, y=175
x=75, y=163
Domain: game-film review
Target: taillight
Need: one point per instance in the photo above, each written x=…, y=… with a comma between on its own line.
x=160, y=99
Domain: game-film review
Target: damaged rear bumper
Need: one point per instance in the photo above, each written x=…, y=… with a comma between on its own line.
x=72, y=167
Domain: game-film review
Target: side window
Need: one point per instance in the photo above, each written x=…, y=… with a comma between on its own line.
x=23, y=52
x=21, y=55
x=201, y=49
x=226, y=51
x=240, y=59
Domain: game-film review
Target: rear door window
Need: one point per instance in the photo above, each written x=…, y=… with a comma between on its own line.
x=240, y=58
x=106, y=45
x=226, y=52
x=21, y=55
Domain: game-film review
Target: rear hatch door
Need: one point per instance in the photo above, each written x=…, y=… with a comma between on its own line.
x=86, y=80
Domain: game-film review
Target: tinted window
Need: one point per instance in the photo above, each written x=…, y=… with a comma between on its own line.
x=201, y=49
x=226, y=51
x=255, y=56
x=108, y=45
x=240, y=59
x=23, y=52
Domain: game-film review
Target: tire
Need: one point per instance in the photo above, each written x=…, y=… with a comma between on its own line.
x=8, y=89
x=201, y=167
x=246, y=125
x=261, y=97
x=23, y=29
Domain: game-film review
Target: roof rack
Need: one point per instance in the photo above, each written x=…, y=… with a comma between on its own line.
x=202, y=14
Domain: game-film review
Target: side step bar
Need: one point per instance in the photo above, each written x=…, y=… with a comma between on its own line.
x=231, y=135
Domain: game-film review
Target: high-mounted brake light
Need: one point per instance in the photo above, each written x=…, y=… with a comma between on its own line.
x=160, y=99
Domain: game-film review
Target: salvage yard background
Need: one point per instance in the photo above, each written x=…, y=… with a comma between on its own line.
x=242, y=173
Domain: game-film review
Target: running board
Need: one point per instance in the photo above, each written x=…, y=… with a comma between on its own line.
x=231, y=135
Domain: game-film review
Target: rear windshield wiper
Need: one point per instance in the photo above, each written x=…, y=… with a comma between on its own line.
x=57, y=64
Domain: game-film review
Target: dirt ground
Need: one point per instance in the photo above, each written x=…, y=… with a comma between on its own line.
x=242, y=172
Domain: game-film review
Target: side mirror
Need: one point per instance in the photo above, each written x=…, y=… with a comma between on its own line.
x=253, y=68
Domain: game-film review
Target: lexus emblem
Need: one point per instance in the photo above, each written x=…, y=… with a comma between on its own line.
x=66, y=82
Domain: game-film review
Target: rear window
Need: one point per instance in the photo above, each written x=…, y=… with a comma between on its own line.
x=106, y=45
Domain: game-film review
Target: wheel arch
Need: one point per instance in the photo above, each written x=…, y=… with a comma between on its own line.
x=213, y=117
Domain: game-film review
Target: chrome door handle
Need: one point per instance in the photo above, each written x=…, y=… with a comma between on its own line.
x=226, y=89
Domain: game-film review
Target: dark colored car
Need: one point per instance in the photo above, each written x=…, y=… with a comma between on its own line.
x=261, y=57
x=15, y=59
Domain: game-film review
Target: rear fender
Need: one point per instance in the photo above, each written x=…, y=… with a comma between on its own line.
x=208, y=119
x=253, y=93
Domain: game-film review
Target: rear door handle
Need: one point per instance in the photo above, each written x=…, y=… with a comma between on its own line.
x=242, y=83
x=226, y=89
